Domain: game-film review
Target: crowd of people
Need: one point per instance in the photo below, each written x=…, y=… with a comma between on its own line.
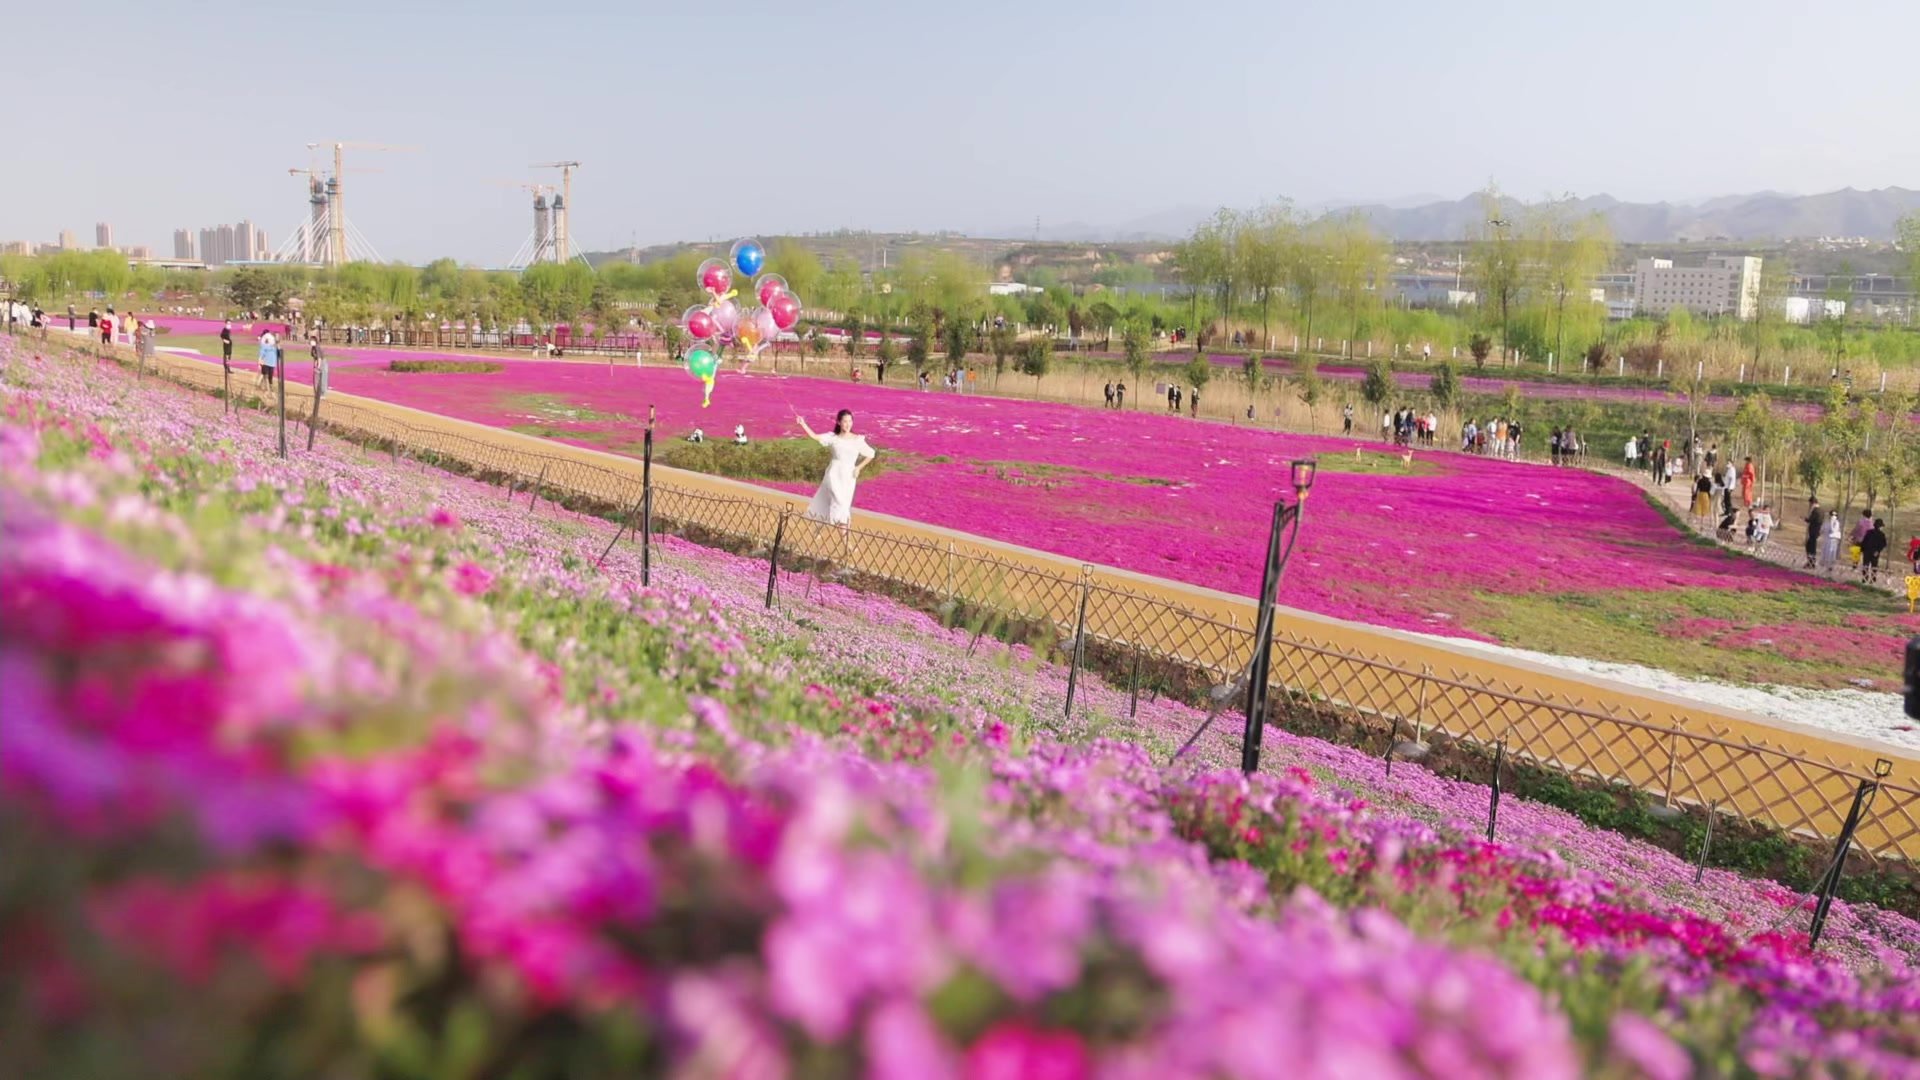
x=1496, y=438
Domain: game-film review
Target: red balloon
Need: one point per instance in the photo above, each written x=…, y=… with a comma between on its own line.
x=785, y=309
x=716, y=280
x=700, y=325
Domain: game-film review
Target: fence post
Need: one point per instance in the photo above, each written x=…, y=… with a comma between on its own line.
x=542, y=479
x=319, y=385
x=226, y=386
x=1673, y=760
x=1493, y=798
x=1079, y=636
x=1393, y=740
x=618, y=533
x=280, y=380
x=1786, y=377
x=1133, y=687
x=773, y=557
x=1621, y=366
x=646, y=503
x=949, y=569
x=1830, y=882
x=1706, y=842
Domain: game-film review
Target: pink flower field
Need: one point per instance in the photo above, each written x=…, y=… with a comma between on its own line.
x=1449, y=544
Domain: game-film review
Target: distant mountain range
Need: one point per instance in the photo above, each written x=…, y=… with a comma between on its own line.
x=1766, y=215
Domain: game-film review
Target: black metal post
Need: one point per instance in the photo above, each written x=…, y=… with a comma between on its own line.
x=625, y=524
x=646, y=503
x=1393, y=739
x=1079, y=645
x=1706, y=843
x=226, y=386
x=1493, y=800
x=1262, y=662
x=1133, y=687
x=1830, y=881
x=773, y=557
x=313, y=421
x=535, y=501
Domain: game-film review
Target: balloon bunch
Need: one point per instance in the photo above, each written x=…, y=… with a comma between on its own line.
x=720, y=322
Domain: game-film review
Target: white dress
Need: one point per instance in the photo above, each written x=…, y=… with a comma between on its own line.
x=833, y=503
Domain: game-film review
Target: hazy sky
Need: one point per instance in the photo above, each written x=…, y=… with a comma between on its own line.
x=726, y=118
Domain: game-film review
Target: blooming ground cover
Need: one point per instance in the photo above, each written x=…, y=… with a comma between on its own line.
x=1558, y=560
x=328, y=766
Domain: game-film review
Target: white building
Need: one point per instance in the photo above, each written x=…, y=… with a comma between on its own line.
x=1723, y=285
x=1804, y=310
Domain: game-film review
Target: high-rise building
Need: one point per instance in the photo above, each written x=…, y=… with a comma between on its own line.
x=102, y=235
x=223, y=247
x=67, y=242
x=243, y=242
x=208, y=247
x=17, y=247
x=183, y=244
x=140, y=251
x=261, y=252
x=1722, y=285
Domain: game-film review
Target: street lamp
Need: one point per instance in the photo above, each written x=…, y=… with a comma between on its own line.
x=1500, y=227
x=1301, y=472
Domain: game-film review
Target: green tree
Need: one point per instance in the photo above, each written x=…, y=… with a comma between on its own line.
x=856, y=335
x=1356, y=266
x=1251, y=370
x=1496, y=259
x=1306, y=268
x=920, y=347
x=1133, y=338
x=1377, y=389
x=959, y=340
x=1445, y=387
x=1770, y=291
x=1310, y=387
x=1480, y=345
x=1567, y=249
x=257, y=289
x=817, y=344
x=675, y=341
x=1907, y=232
x=1197, y=371
x=1266, y=241
x=885, y=355
x=1036, y=359
x=1001, y=342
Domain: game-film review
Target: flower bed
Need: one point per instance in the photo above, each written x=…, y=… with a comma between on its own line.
x=1452, y=545
x=393, y=781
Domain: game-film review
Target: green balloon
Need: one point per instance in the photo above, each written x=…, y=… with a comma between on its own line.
x=702, y=363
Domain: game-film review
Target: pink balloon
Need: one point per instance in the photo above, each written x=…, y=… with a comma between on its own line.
x=726, y=317
x=714, y=277
x=768, y=287
x=699, y=323
x=767, y=323
x=785, y=310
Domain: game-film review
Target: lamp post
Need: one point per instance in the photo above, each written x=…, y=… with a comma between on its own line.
x=1278, y=551
x=1500, y=226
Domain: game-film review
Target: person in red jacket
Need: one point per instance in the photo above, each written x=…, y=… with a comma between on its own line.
x=1913, y=553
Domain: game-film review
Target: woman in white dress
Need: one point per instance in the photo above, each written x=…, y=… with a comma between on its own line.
x=833, y=503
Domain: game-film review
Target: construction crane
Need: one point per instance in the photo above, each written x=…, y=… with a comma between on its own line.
x=562, y=206
x=538, y=247
x=336, y=194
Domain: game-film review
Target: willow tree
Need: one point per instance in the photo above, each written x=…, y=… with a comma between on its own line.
x=1265, y=239
x=1565, y=249
x=1356, y=262
x=1496, y=257
x=1210, y=259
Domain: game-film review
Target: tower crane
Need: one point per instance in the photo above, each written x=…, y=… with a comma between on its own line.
x=336, y=193
x=563, y=206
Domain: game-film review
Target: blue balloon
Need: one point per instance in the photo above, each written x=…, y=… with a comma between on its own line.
x=749, y=257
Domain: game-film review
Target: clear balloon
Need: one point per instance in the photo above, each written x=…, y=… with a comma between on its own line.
x=767, y=324
x=784, y=310
x=747, y=256
x=726, y=319
x=768, y=287
x=699, y=323
x=714, y=277
x=748, y=332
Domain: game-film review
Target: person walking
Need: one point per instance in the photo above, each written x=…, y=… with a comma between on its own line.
x=226, y=346
x=1816, y=525
x=1830, y=543
x=269, y=357
x=1702, y=496
x=1109, y=395
x=1346, y=419
x=1872, y=545
x=850, y=454
x=1119, y=395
